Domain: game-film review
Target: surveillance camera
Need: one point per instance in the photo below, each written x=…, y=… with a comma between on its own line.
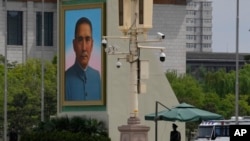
x=118, y=64
x=162, y=56
x=104, y=42
x=161, y=35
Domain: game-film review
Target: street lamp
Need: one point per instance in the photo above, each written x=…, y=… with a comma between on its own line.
x=135, y=18
x=131, y=33
x=237, y=66
x=5, y=80
x=42, y=67
x=133, y=57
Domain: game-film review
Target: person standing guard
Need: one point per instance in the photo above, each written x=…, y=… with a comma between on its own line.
x=175, y=135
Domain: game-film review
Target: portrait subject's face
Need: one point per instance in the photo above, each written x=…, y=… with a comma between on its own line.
x=83, y=44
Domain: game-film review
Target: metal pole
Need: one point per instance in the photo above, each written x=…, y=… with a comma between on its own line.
x=58, y=97
x=237, y=66
x=6, y=78
x=156, y=121
x=157, y=118
x=133, y=63
x=42, y=85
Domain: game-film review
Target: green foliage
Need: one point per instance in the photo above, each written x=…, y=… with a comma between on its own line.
x=219, y=82
x=213, y=91
x=186, y=88
x=68, y=129
x=24, y=92
x=211, y=102
x=74, y=124
x=61, y=136
x=244, y=80
x=1, y=92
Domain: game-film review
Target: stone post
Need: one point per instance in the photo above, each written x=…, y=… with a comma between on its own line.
x=133, y=131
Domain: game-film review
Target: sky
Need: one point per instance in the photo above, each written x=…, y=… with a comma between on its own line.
x=224, y=26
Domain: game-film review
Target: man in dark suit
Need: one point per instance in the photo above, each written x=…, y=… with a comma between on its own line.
x=82, y=81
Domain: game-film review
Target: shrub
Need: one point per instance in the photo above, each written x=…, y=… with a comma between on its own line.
x=68, y=129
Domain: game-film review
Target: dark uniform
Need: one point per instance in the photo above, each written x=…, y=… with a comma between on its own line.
x=13, y=135
x=175, y=135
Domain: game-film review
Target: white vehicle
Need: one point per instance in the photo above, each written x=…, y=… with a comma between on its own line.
x=218, y=130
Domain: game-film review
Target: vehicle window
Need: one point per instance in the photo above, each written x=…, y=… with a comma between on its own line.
x=222, y=131
x=205, y=131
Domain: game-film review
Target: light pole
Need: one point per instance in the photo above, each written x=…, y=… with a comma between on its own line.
x=132, y=33
x=237, y=66
x=42, y=67
x=133, y=22
x=6, y=79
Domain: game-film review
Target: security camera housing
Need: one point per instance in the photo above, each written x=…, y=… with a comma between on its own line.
x=104, y=42
x=118, y=64
x=162, y=56
x=161, y=35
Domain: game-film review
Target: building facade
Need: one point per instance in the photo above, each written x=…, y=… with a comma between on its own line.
x=199, y=26
x=21, y=29
x=214, y=61
x=187, y=25
x=169, y=19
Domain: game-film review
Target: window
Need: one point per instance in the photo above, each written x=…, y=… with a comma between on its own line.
x=207, y=37
x=188, y=20
x=191, y=12
x=207, y=21
x=206, y=12
x=190, y=45
x=207, y=29
x=206, y=45
x=48, y=28
x=121, y=10
x=207, y=4
x=141, y=11
x=15, y=28
x=190, y=37
x=192, y=4
x=192, y=29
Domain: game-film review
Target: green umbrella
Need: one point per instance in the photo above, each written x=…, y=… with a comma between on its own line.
x=184, y=113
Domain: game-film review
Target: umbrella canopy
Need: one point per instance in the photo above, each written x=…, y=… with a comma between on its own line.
x=184, y=113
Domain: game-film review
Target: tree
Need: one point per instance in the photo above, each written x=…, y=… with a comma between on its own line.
x=220, y=82
x=211, y=102
x=186, y=88
x=244, y=80
x=24, y=93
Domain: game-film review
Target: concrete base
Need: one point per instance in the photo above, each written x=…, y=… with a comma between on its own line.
x=133, y=131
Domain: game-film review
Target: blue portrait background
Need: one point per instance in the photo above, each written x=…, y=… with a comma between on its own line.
x=71, y=17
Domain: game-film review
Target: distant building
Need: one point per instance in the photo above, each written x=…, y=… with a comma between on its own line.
x=199, y=26
x=22, y=21
x=169, y=18
x=214, y=61
x=187, y=25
